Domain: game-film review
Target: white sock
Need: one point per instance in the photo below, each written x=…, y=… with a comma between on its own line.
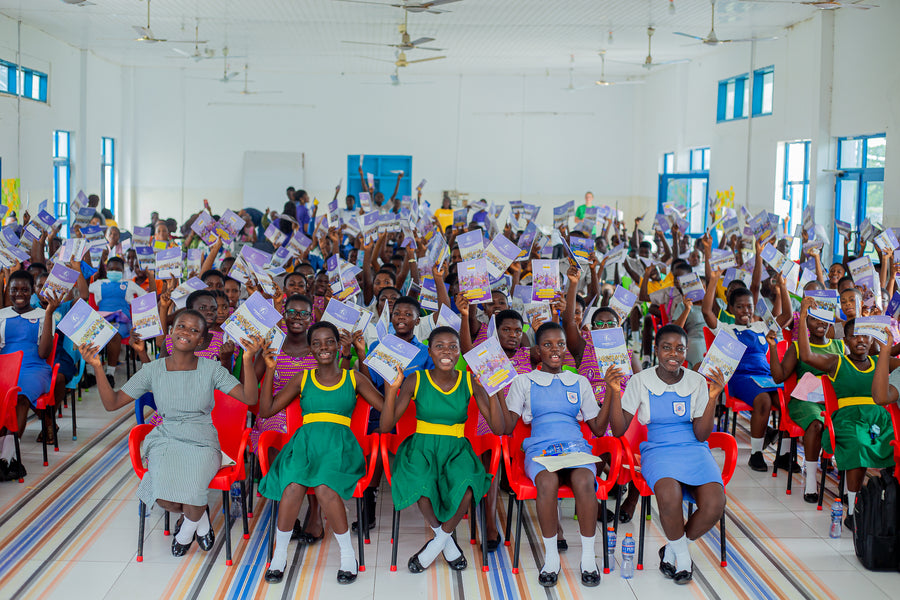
x=434, y=547
x=756, y=445
x=812, y=468
x=203, y=525
x=186, y=533
x=8, y=448
x=551, y=556
x=669, y=556
x=851, y=501
x=110, y=370
x=279, y=555
x=682, y=554
x=451, y=550
x=348, y=556
x=588, y=555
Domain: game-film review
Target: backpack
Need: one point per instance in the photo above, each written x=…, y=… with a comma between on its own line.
x=876, y=535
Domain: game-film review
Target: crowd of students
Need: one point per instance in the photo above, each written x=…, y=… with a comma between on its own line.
x=559, y=382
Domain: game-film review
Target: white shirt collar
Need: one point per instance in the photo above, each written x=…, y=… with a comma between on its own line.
x=684, y=387
x=9, y=312
x=544, y=379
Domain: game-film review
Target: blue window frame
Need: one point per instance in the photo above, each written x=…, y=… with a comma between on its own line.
x=382, y=167
x=7, y=77
x=734, y=98
x=859, y=185
x=62, y=174
x=793, y=183
x=763, y=91
x=20, y=81
x=668, y=162
x=108, y=173
x=688, y=190
x=699, y=159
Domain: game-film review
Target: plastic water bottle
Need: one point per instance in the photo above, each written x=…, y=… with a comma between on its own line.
x=837, y=513
x=236, y=501
x=611, y=548
x=628, y=557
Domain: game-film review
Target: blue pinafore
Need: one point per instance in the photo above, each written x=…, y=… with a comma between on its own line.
x=554, y=424
x=672, y=449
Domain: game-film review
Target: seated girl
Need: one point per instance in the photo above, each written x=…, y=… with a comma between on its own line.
x=862, y=429
x=752, y=381
x=678, y=410
x=323, y=454
x=553, y=401
x=436, y=467
x=113, y=294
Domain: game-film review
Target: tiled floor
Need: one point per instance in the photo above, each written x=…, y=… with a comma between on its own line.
x=71, y=531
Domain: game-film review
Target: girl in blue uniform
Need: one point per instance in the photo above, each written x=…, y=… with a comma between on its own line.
x=112, y=293
x=678, y=410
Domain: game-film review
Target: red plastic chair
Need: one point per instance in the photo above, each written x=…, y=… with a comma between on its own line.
x=722, y=441
x=831, y=407
x=46, y=402
x=229, y=417
x=371, y=446
x=487, y=442
x=10, y=364
x=894, y=411
x=630, y=473
x=524, y=489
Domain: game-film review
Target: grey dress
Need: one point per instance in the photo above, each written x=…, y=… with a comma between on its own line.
x=183, y=452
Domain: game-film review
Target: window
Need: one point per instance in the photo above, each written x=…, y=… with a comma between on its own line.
x=792, y=180
x=62, y=173
x=7, y=86
x=859, y=185
x=668, y=162
x=687, y=190
x=734, y=98
x=700, y=159
x=763, y=90
x=108, y=174
x=20, y=81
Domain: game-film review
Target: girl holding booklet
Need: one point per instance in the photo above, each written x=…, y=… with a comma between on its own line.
x=752, y=381
x=435, y=467
x=805, y=413
x=323, y=454
x=862, y=428
x=112, y=293
x=183, y=453
x=679, y=412
x=214, y=346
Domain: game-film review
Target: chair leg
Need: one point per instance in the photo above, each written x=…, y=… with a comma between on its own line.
x=395, y=535
x=244, y=510
x=605, y=541
x=482, y=515
x=142, y=513
x=509, y=514
x=166, y=523
x=226, y=504
x=473, y=522
x=250, y=485
x=74, y=426
x=777, y=454
x=520, y=505
x=734, y=418
x=53, y=426
x=618, y=506
x=841, y=485
x=790, y=477
x=825, y=462
x=722, y=539
x=18, y=452
x=44, y=435
x=359, y=533
x=645, y=510
x=272, y=533
x=690, y=509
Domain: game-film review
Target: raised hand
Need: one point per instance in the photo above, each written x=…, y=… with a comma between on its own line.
x=462, y=305
x=716, y=383
x=136, y=343
x=271, y=358
x=91, y=355
x=574, y=274
x=54, y=299
x=613, y=378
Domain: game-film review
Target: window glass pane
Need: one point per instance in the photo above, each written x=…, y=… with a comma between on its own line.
x=4, y=78
x=875, y=201
x=849, y=189
x=851, y=154
x=35, y=86
x=669, y=162
x=796, y=161
x=706, y=159
x=695, y=160
x=768, y=90
x=729, y=100
x=20, y=81
x=875, y=148
x=746, y=105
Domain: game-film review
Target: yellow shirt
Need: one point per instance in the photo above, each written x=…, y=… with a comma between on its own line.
x=655, y=286
x=444, y=217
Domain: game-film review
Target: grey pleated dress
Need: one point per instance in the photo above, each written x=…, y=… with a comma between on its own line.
x=183, y=452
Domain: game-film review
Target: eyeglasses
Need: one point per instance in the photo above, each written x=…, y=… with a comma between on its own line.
x=293, y=313
x=676, y=349
x=606, y=324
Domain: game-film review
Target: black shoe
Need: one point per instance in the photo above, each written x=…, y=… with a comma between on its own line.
x=783, y=461
x=610, y=515
x=770, y=437
x=180, y=549
x=811, y=498
x=345, y=577
x=206, y=541
x=757, y=462
x=548, y=579
x=297, y=533
x=591, y=578
x=684, y=577
x=562, y=545
x=493, y=544
x=667, y=569
x=4, y=470
x=624, y=515
x=274, y=576
x=16, y=470
x=460, y=562
x=178, y=525
x=848, y=522
x=414, y=565
x=355, y=526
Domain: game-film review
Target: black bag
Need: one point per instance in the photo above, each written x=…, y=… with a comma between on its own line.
x=876, y=519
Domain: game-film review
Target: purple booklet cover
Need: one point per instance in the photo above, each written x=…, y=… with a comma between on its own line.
x=893, y=307
x=193, y=260
x=84, y=326
x=692, y=287
x=876, y=327
x=60, y=281
x=84, y=215
x=45, y=220
x=141, y=236
x=862, y=272
x=145, y=316
x=449, y=318
x=341, y=315
x=523, y=293
x=500, y=254
x=490, y=365
x=9, y=236
x=609, y=347
x=145, y=257
x=230, y=225
x=190, y=286
x=622, y=301
x=471, y=244
x=389, y=356
x=280, y=258
x=255, y=317
x=459, y=217
x=526, y=240
x=168, y=263
x=205, y=227
x=544, y=279
x=428, y=294
x=582, y=247
x=474, y=281
x=825, y=299
x=724, y=354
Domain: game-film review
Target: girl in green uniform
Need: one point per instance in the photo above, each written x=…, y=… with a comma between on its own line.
x=323, y=454
x=862, y=429
x=804, y=413
x=436, y=467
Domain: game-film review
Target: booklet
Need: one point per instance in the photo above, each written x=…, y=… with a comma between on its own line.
x=536, y=310
x=762, y=309
x=459, y=217
x=45, y=220
x=471, y=244
x=862, y=271
x=168, y=264
x=140, y=236
x=721, y=260
x=72, y=249
x=229, y=225
x=193, y=261
x=341, y=315
x=205, y=228
x=609, y=347
x=773, y=257
x=84, y=326
x=843, y=227
x=390, y=355
x=622, y=301
x=255, y=317
x=522, y=293
x=692, y=287
x=145, y=256
x=809, y=388
x=893, y=307
x=428, y=298
x=724, y=354
x=276, y=338
x=582, y=248
x=827, y=300
x=83, y=216
x=187, y=288
x=526, y=240
x=616, y=256
x=873, y=327
x=449, y=318
x=474, y=281
x=500, y=253
x=60, y=281
x=544, y=279
x=565, y=460
x=145, y=316
x=490, y=365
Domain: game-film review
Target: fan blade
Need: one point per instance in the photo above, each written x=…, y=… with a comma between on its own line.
x=676, y=61
x=427, y=48
x=435, y=3
x=186, y=41
x=364, y=2
x=696, y=37
x=409, y=62
x=378, y=59
x=182, y=53
x=422, y=40
x=143, y=31
x=366, y=43
x=765, y=39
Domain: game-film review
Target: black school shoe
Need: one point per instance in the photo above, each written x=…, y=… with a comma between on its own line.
x=757, y=462
x=548, y=579
x=346, y=577
x=848, y=522
x=414, y=565
x=667, y=569
x=460, y=562
x=273, y=576
x=811, y=498
x=206, y=541
x=181, y=549
x=684, y=577
x=783, y=461
x=16, y=470
x=591, y=578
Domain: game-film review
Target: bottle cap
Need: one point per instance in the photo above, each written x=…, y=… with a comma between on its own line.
x=609, y=528
x=627, y=535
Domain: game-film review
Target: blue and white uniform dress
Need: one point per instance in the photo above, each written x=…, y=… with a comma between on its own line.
x=553, y=404
x=111, y=296
x=753, y=374
x=23, y=332
x=671, y=450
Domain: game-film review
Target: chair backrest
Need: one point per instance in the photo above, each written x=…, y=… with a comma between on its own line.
x=229, y=417
x=708, y=337
x=52, y=358
x=406, y=426
x=359, y=424
x=10, y=364
x=139, y=404
x=831, y=401
x=782, y=347
x=635, y=435
x=72, y=384
x=894, y=411
x=664, y=315
x=726, y=443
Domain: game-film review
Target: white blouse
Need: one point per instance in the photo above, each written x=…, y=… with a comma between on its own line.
x=636, y=399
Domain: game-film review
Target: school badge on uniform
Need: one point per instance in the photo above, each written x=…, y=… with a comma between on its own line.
x=572, y=397
x=679, y=408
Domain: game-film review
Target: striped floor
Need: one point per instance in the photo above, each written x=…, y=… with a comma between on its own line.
x=71, y=531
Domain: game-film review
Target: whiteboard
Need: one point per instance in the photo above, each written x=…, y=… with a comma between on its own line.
x=268, y=174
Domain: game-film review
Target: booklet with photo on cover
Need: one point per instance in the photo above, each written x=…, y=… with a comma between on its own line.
x=544, y=279
x=500, y=253
x=84, y=326
x=724, y=354
x=474, y=281
x=145, y=316
x=60, y=281
x=692, y=287
x=471, y=244
x=873, y=327
x=255, y=317
x=168, y=264
x=342, y=315
x=389, y=356
x=622, y=301
x=610, y=349
x=490, y=365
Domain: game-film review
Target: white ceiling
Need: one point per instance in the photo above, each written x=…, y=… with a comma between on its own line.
x=480, y=36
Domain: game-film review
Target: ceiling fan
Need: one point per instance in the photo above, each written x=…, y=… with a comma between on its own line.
x=820, y=4
x=405, y=42
x=413, y=7
x=147, y=35
x=603, y=81
x=649, y=63
x=712, y=40
x=246, y=91
x=79, y=2
x=402, y=62
x=198, y=54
